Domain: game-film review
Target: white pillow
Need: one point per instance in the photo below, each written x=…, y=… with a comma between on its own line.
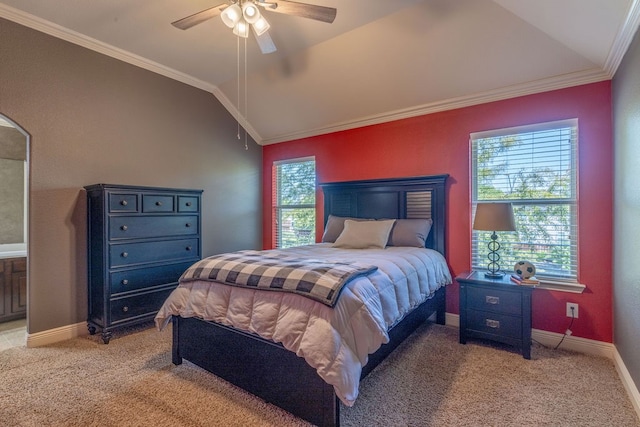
x=364, y=234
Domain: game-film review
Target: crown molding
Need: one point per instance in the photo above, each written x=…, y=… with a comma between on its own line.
x=242, y=121
x=619, y=48
x=66, y=34
x=530, y=88
x=623, y=39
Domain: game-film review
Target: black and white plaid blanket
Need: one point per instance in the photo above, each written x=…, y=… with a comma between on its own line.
x=320, y=280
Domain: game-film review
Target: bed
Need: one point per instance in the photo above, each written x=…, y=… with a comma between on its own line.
x=277, y=366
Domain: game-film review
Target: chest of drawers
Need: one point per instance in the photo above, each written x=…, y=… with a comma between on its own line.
x=495, y=309
x=140, y=240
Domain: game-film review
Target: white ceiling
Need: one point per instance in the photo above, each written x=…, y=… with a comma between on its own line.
x=380, y=60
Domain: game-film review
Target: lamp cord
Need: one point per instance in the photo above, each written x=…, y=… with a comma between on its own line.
x=565, y=332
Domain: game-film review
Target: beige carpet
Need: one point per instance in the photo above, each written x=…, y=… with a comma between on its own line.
x=431, y=380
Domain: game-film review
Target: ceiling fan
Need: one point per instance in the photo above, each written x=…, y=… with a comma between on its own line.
x=240, y=15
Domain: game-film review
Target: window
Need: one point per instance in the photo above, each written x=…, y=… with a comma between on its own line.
x=535, y=168
x=295, y=202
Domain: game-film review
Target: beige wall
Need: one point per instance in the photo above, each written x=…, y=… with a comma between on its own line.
x=626, y=265
x=94, y=119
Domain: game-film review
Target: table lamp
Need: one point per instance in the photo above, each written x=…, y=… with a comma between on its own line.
x=494, y=217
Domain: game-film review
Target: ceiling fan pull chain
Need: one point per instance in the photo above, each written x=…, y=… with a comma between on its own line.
x=246, y=90
x=238, y=80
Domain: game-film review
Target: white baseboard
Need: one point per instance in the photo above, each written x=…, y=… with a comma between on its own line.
x=627, y=381
x=581, y=345
x=52, y=336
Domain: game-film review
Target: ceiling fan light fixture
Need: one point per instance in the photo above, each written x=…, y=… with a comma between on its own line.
x=231, y=16
x=250, y=12
x=260, y=26
x=241, y=29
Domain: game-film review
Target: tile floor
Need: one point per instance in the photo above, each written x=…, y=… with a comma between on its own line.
x=13, y=334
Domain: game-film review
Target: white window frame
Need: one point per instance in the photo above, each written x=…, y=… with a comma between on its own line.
x=279, y=208
x=568, y=279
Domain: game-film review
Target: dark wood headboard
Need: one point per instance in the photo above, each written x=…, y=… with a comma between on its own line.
x=399, y=198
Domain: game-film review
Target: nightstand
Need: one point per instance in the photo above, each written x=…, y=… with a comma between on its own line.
x=495, y=309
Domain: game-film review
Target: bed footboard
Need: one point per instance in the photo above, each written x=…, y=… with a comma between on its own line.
x=275, y=374
x=249, y=362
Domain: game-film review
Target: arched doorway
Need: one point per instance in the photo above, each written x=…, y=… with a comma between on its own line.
x=14, y=208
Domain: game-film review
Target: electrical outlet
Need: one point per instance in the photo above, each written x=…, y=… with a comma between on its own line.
x=572, y=313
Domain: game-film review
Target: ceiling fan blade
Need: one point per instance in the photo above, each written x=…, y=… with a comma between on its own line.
x=304, y=10
x=200, y=17
x=264, y=42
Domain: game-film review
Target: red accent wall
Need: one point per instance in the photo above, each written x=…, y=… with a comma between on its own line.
x=439, y=143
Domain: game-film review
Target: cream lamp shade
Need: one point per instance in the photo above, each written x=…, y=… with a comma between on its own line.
x=494, y=217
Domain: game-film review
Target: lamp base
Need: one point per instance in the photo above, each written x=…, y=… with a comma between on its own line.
x=490, y=275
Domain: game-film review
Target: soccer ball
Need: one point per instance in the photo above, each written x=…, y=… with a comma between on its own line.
x=525, y=269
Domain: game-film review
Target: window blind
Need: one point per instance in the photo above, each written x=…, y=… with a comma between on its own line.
x=535, y=168
x=295, y=202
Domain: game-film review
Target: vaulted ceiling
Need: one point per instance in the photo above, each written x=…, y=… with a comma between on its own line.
x=379, y=60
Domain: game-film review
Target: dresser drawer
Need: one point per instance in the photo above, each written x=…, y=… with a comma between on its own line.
x=188, y=204
x=135, y=227
x=157, y=203
x=494, y=323
x=146, y=304
x=494, y=300
x=119, y=202
x=140, y=278
x=145, y=252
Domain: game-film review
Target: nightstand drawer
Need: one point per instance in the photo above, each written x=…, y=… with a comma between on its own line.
x=494, y=300
x=146, y=252
x=134, y=227
x=494, y=323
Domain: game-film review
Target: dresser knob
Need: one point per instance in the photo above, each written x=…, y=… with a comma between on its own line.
x=123, y=202
x=188, y=203
x=124, y=254
x=188, y=224
x=125, y=282
x=188, y=248
x=125, y=308
x=158, y=203
x=124, y=228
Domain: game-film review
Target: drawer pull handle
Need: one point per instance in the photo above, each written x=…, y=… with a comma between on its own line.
x=124, y=254
x=125, y=308
x=124, y=228
x=188, y=248
x=123, y=202
x=158, y=203
x=188, y=203
x=495, y=324
x=492, y=300
x=188, y=225
x=125, y=282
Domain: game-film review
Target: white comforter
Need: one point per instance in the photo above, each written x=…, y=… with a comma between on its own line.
x=335, y=341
